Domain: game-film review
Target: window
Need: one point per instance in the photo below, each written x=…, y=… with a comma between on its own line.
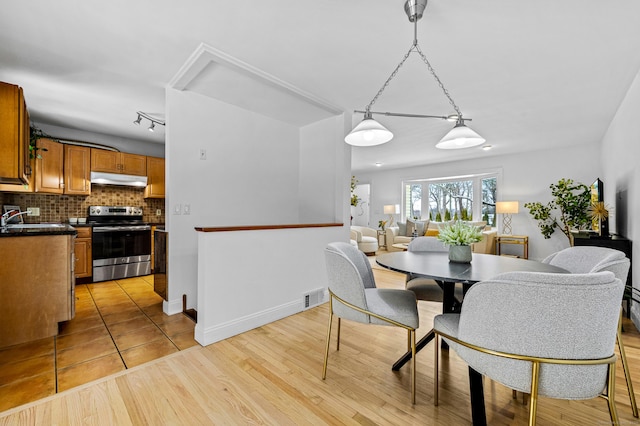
x=465, y=197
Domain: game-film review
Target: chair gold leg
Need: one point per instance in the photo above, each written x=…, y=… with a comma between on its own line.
x=625, y=367
x=326, y=349
x=535, y=375
x=408, y=340
x=338, y=335
x=413, y=366
x=611, y=389
x=435, y=369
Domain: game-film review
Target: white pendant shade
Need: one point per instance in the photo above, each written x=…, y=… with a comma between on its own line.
x=368, y=133
x=460, y=137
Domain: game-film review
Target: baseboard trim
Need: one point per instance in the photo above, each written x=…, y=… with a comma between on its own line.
x=172, y=307
x=240, y=325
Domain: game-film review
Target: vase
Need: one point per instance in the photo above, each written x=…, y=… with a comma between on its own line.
x=460, y=254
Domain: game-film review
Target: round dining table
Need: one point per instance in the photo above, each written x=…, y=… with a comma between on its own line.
x=436, y=265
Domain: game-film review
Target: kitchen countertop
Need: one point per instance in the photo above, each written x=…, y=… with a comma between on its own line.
x=29, y=232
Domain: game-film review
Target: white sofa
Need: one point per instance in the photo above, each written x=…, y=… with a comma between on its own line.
x=366, y=238
x=487, y=245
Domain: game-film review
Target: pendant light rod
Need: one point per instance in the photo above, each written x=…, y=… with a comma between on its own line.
x=452, y=117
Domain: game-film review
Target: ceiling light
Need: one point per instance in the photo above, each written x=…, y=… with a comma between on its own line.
x=370, y=133
x=459, y=137
x=487, y=147
x=149, y=117
x=378, y=164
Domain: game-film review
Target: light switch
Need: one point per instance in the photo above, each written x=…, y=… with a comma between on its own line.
x=187, y=209
x=177, y=209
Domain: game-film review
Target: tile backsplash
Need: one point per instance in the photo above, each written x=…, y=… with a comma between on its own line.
x=59, y=208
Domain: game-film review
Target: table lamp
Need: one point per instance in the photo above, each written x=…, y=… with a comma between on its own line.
x=506, y=209
x=391, y=209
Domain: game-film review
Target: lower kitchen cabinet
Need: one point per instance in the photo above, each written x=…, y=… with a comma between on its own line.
x=37, y=287
x=82, y=250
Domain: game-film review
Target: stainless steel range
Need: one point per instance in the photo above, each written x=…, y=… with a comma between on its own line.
x=121, y=242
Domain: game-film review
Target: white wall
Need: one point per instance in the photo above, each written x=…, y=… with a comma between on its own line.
x=258, y=171
x=250, y=177
x=522, y=178
x=620, y=153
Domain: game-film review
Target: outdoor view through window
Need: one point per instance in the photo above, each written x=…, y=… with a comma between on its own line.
x=465, y=198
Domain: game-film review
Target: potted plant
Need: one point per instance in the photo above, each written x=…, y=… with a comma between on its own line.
x=459, y=236
x=571, y=202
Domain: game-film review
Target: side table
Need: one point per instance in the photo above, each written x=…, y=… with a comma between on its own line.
x=382, y=238
x=522, y=240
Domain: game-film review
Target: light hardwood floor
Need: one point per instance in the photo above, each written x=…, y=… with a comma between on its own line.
x=272, y=375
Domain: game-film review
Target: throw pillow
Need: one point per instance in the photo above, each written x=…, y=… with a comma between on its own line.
x=402, y=228
x=420, y=226
x=411, y=226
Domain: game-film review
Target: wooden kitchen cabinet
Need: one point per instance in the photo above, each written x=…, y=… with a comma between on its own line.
x=15, y=167
x=37, y=287
x=82, y=250
x=155, y=178
x=103, y=160
x=77, y=170
x=49, y=165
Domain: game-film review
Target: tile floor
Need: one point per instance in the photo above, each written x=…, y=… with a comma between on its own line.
x=118, y=325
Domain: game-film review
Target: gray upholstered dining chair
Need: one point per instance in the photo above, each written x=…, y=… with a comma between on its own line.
x=531, y=342
x=425, y=288
x=585, y=259
x=353, y=295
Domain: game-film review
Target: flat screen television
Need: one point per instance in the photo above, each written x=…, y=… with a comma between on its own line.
x=597, y=196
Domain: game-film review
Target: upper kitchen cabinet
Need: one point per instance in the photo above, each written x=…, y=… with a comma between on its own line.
x=77, y=170
x=49, y=162
x=155, y=178
x=15, y=167
x=103, y=160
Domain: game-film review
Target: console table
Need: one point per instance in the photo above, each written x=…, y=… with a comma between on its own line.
x=522, y=240
x=616, y=242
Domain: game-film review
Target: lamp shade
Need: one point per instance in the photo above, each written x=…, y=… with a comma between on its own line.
x=392, y=209
x=507, y=207
x=368, y=133
x=460, y=137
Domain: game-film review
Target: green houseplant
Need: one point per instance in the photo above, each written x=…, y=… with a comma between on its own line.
x=354, y=197
x=459, y=236
x=569, y=209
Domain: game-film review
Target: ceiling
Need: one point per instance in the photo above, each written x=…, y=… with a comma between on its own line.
x=531, y=75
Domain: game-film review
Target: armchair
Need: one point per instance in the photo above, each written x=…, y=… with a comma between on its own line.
x=365, y=238
x=534, y=344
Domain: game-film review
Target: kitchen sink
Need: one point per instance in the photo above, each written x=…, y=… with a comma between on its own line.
x=35, y=225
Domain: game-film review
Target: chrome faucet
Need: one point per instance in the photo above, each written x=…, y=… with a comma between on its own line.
x=7, y=215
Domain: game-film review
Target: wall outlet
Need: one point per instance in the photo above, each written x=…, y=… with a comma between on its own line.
x=33, y=211
x=177, y=209
x=158, y=212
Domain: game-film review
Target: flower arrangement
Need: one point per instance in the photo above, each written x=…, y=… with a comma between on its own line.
x=382, y=224
x=459, y=234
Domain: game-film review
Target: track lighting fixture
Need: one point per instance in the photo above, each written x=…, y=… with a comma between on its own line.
x=153, y=120
x=369, y=132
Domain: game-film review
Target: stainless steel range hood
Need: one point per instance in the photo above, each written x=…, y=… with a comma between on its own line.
x=118, y=179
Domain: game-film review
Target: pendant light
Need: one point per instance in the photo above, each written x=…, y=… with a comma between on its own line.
x=369, y=132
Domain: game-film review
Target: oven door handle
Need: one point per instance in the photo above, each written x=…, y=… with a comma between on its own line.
x=121, y=228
